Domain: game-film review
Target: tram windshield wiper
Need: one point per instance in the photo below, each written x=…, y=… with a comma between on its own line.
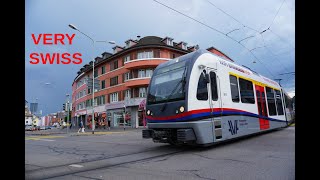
x=183, y=80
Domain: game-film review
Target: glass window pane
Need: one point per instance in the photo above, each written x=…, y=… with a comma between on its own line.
x=202, y=90
x=271, y=102
x=246, y=91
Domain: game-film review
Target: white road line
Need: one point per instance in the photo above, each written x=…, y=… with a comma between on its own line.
x=76, y=165
x=46, y=140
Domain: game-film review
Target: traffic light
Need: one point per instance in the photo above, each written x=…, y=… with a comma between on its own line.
x=64, y=107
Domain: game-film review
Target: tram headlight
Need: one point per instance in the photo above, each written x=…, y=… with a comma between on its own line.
x=148, y=112
x=181, y=109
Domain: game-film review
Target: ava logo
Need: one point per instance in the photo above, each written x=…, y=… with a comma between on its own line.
x=233, y=128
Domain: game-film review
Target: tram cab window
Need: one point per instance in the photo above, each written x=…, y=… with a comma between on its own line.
x=214, y=88
x=279, y=103
x=246, y=91
x=234, y=88
x=271, y=101
x=202, y=90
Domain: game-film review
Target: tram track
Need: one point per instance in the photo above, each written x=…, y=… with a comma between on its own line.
x=103, y=163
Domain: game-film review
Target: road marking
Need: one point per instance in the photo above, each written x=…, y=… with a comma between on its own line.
x=76, y=165
x=96, y=133
x=42, y=137
x=46, y=140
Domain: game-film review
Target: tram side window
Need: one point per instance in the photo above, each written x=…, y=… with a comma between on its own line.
x=271, y=101
x=234, y=88
x=279, y=103
x=289, y=104
x=214, y=90
x=246, y=91
x=202, y=90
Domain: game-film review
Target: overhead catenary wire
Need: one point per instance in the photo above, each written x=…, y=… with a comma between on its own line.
x=260, y=33
x=276, y=14
x=232, y=31
x=273, y=53
x=216, y=31
x=232, y=17
x=244, y=25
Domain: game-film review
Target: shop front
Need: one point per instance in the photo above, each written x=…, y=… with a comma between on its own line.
x=80, y=116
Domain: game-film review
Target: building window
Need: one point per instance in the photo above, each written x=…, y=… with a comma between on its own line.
x=149, y=72
x=184, y=46
x=271, y=101
x=103, y=69
x=156, y=53
x=170, y=42
x=127, y=58
x=114, y=97
x=114, y=81
x=89, y=103
x=145, y=54
x=127, y=76
x=95, y=101
x=234, y=88
x=89, y=90
x=141, y=73
x=214, y=87
x=103, y=84
x=279, y=102
x=202, y=90
x=173, y=55
x=246, y=91
x=80, y=83
x=142, y=92
x=102, y=99
x=96, y=73
x=114, y=65
x=127, y=94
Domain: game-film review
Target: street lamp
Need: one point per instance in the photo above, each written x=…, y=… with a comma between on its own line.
x=93, y=43
x=67, y=108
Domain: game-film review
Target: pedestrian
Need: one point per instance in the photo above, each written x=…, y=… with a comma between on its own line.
x=81, y=127
x=109, y=123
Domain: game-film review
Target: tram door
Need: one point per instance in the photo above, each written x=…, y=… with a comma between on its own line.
x=262, y=108
x=215, y=103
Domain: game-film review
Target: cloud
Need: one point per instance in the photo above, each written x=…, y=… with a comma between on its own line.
x=124, y=19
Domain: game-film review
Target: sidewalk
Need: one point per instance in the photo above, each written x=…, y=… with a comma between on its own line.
x=74, y=131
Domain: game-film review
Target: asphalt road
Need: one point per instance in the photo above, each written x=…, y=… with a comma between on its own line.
x=125, y=155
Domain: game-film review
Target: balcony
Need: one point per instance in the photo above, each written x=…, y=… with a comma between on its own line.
x=137, y=82
x=144, y=63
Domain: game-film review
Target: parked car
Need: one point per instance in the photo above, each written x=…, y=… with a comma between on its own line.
x=28, y=128
x=45, y=127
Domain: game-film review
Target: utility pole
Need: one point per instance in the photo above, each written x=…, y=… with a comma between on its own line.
x=67, y=109
x=124, y=118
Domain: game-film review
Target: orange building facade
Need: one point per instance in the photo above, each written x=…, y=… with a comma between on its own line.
x=124, y=76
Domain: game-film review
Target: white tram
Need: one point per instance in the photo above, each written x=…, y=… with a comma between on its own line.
x=201, y=98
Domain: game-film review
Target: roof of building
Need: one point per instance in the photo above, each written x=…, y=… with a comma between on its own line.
x=145, y=42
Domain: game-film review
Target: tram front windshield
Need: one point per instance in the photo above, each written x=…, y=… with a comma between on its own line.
x=167, y=84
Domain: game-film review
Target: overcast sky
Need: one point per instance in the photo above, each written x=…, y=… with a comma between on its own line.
x=121, y=20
